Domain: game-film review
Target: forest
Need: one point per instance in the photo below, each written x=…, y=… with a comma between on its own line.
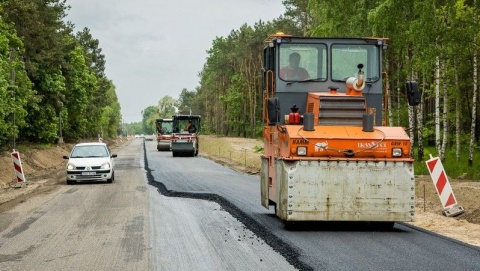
x=52, y=81
x=433, y=42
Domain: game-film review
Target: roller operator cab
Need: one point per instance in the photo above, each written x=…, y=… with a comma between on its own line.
x=327, y=156
x=185, y=135
x=164, y=134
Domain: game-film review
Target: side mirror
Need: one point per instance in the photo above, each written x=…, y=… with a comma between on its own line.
x=273, y=111
x=413, y=94
x=65, y=157
x=113, y=155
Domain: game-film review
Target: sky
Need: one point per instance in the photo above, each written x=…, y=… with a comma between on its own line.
x=155, y=48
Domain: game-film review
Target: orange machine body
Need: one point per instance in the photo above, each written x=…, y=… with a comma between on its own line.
x=338, y=163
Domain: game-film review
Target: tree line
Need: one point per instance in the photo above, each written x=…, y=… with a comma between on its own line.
x=432, y=42
x=52, y=80
x=53, y=83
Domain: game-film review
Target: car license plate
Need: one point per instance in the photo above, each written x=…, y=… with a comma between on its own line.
x=88, y=173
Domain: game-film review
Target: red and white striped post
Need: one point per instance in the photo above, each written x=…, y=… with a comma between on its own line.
x=17, y=164
x=444, y=190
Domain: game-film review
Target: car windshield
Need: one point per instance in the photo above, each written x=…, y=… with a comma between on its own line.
x=89, y=151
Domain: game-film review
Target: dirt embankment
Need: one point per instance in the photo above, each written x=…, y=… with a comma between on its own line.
x=34, y=162
x=45, y=169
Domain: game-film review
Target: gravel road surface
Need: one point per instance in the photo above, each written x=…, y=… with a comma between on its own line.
x=128, y=225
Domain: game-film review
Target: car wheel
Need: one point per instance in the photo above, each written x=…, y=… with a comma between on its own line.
x=111, y=180
x=70, y=182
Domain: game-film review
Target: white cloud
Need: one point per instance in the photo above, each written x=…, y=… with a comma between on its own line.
x=157, y=48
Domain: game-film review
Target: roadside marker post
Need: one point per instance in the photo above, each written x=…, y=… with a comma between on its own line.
x=444, y=190
x=17, y=164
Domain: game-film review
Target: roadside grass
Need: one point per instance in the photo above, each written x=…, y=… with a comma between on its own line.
x=454, y=169
x=23, y=147
x=248, y=155
x=245, y=154
x=26, y=146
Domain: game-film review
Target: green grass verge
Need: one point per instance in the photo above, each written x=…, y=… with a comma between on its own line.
x=221, y=148
x=454, y=169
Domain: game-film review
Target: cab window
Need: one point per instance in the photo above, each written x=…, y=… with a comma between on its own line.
x=345, y=59
x=311, y=57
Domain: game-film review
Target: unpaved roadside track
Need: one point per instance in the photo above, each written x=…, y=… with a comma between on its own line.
x=127, y=225
x=94, y=226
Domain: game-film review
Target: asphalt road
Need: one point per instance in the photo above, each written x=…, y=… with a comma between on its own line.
x=129, y=225
x=312, y=246
x=189, y=213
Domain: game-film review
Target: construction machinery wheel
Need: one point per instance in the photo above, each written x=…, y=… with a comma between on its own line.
x=382, y=226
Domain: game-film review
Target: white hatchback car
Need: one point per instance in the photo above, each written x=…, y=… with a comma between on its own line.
x=90, y=162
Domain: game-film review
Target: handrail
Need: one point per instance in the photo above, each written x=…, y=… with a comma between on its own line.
x=385, y=98
x=269, y=86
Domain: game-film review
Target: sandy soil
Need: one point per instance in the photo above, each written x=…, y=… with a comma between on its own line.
x=44, y=170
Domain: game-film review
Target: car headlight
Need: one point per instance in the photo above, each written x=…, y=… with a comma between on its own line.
x=105, y=165
x=302, y=151
x=71, y=166
x=397, y=152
